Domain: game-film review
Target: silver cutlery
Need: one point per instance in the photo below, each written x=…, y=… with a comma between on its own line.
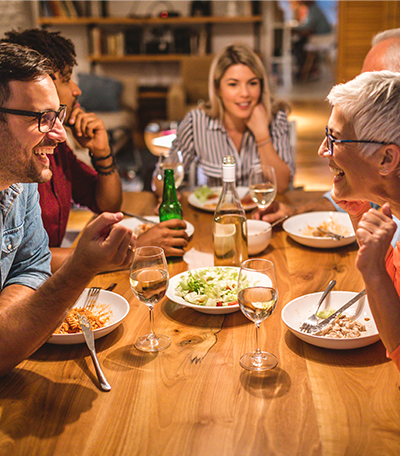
x=312, y=320
x=325, y=322
x=139, y=217
x=90, y=301
x=282, y=219
x=336, y=237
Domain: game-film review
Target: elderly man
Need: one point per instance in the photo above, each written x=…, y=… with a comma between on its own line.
x=384, y=55
x=98, y=189
x=33, y=304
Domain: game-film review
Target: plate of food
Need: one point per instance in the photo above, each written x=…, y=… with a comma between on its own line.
x=139, y=227
x=304, y=229
x=354, y=328
x=107, y=314
x=206, y=198
x=210, y=290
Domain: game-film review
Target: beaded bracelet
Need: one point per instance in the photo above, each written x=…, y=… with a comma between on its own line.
x=106, y=173
x=262, y=143
x=95, y=159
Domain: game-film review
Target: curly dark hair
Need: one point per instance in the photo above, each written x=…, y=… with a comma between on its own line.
x=59, y=50
x=19, y=63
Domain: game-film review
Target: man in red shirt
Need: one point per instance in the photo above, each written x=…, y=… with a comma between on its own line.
x=100, y=188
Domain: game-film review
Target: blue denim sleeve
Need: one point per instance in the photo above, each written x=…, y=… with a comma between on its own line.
x=396, y=236
x=31, y=263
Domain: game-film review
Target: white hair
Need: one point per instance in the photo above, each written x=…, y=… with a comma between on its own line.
x=371, y=104
x=385, y=35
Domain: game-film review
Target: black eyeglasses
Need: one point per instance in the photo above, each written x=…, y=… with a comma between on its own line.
x=331, y=141
x=46, y=119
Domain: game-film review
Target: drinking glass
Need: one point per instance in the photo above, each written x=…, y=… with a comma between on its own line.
x=257, y=296
x=170, y=160
x=149, y=280
x=262, y=186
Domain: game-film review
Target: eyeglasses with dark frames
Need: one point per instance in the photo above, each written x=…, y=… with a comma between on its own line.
x=331, y=140
x=46, y=119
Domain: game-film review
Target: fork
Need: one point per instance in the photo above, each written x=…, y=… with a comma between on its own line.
x=312, y=320
x=336, y=237
x=90, y=301
x=91, y=298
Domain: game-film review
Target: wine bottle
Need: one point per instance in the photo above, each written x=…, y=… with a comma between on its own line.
x=170, y=207
x=229, y=225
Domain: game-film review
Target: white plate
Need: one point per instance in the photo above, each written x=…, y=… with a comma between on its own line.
x=133, y=223
x=296, y=311
x=173, y=282
x=119, y=307
x=296, y=225
x=211, y=204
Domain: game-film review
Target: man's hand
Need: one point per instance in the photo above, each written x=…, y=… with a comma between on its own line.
x=170, y=235
x=104, y=244
x=89, y=131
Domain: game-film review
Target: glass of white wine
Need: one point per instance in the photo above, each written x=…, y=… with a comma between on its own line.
x=262, y=186
x=170, y=160
x=149, y=281
x=257, y=296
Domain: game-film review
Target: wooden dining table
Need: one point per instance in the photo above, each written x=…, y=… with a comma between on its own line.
x=194, y=399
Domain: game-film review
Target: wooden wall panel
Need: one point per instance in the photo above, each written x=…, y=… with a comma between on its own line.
x=358, y=22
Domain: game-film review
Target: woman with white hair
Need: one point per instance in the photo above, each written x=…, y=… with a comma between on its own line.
x=239, y=120
x=362, y=145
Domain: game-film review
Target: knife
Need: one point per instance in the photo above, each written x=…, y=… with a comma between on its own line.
x=89, y=339
x=139, y=217
x=323, y=323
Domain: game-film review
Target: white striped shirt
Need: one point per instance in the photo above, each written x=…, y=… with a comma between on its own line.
x=201, y=138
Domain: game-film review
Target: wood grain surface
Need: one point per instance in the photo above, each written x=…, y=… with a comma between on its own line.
x=194, y=399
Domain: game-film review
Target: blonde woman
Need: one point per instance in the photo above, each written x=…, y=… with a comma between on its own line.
x=239, y=120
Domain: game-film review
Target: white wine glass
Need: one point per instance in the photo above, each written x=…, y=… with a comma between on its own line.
x=149, y=281
x=170, y=160
x=257, y=296
x=262, y=186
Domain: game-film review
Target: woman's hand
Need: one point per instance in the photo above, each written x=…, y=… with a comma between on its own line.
x=374, y=234
x=258, y=123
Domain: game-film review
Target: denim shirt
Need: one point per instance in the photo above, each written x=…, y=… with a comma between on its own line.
x=25, y=255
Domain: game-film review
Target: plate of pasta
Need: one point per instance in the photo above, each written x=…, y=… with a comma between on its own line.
x=108, y=313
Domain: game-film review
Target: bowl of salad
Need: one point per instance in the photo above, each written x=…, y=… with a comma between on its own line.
x=210, y=290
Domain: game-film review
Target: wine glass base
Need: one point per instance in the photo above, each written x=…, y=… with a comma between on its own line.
x=153, y=343
x=260, y=361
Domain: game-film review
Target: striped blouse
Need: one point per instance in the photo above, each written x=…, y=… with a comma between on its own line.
x=201, y=138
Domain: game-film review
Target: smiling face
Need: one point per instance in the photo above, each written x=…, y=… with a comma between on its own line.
x=355, y=176
x=240, y=92
x=23, y=148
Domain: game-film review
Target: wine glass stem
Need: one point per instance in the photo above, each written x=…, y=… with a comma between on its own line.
x=258, y=350
x=151, y=321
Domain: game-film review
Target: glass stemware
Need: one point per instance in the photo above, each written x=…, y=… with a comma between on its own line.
x=257, y=296
x=149, y=281
x=170, y=160
x=262, y=186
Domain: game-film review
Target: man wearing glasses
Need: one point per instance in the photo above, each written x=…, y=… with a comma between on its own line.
x=33, y=304
x=98, y=189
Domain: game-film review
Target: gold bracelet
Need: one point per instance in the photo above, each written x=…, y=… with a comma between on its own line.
x=262, y=143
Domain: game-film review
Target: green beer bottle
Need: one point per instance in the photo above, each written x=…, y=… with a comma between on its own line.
x=170, y=207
